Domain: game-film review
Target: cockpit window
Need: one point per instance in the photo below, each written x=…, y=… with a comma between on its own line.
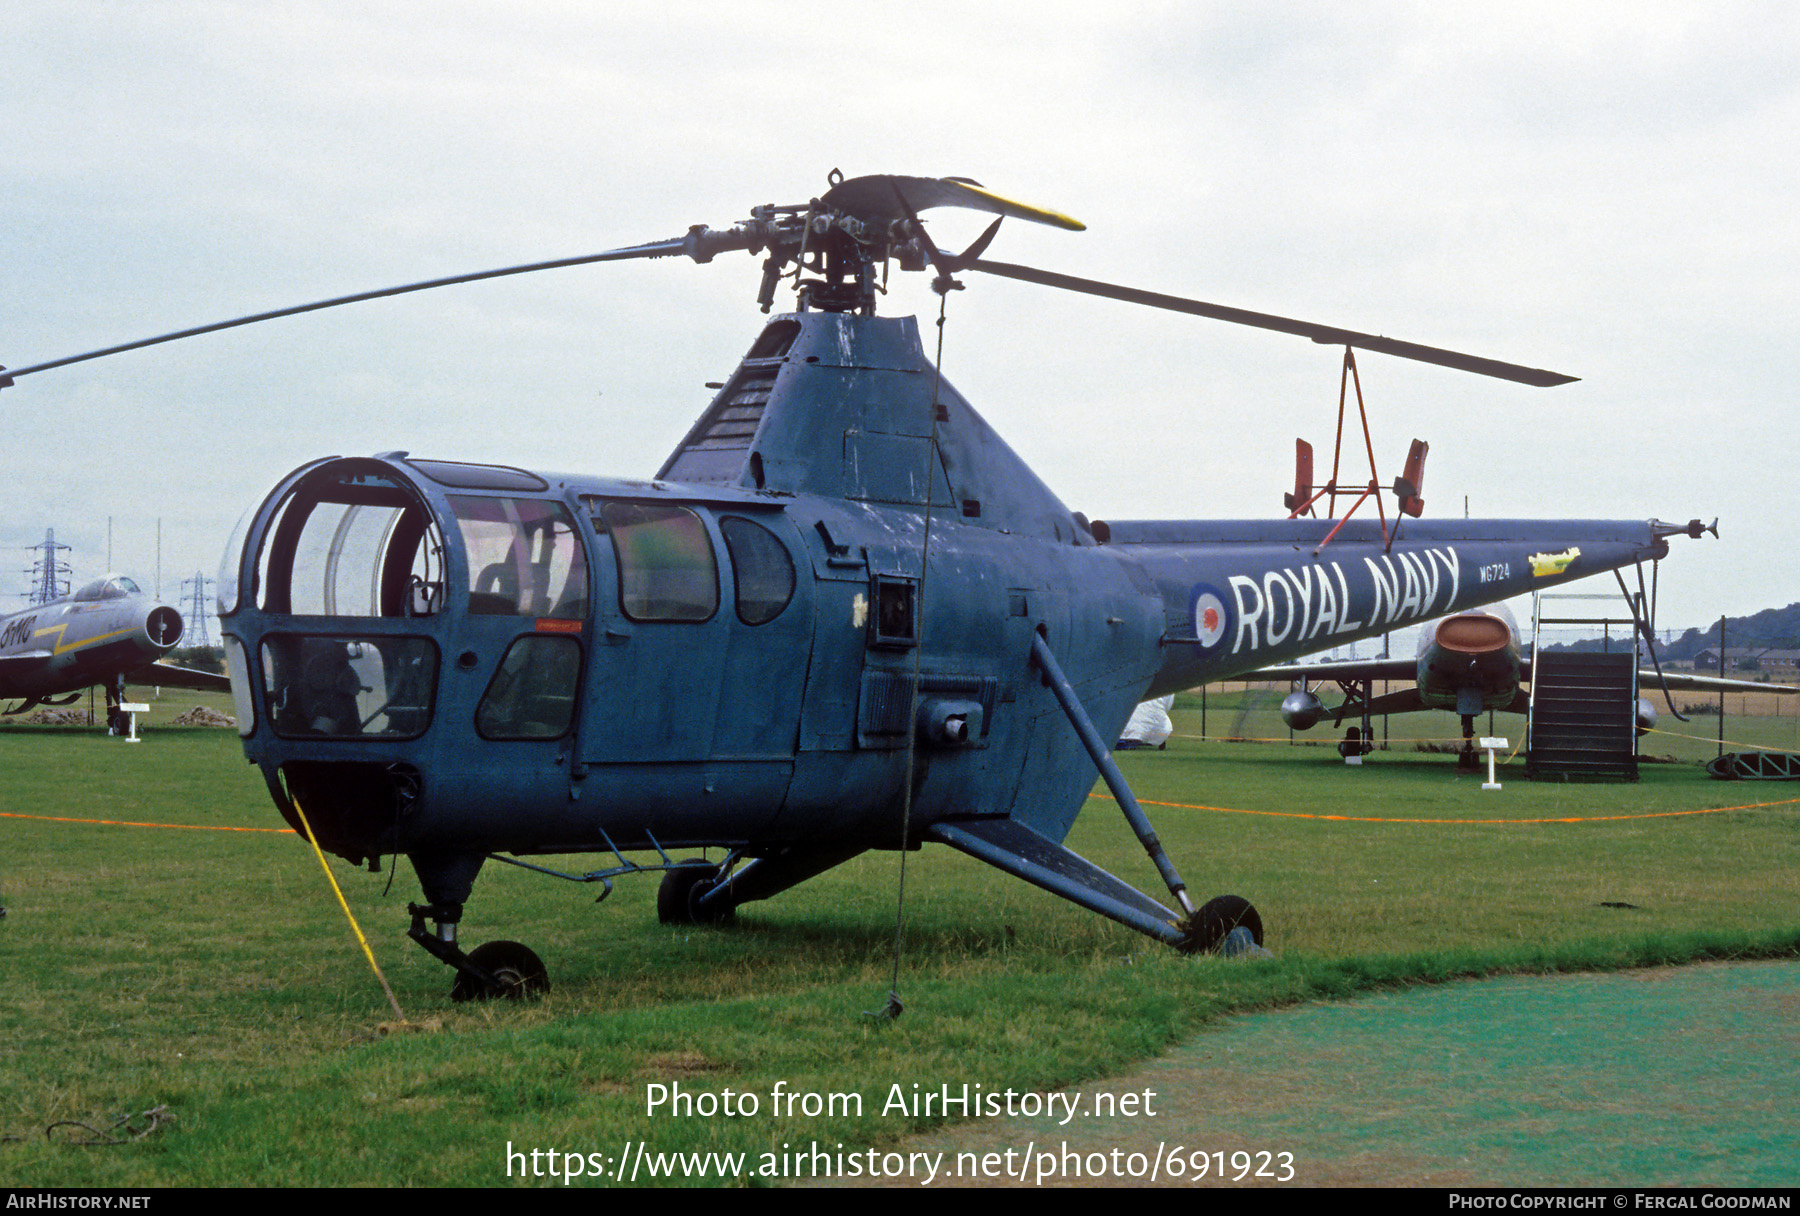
x=349, y=688
x=113, y=587
x=524, y=557
x=349, y=539
x=533, y=692
x=358, y=559
x=667, y=571
x=459, y=476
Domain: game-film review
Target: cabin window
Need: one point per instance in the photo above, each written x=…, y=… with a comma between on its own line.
x=237, y=663
x=524, y=557
x=667, y=571
x=761, y=569
x=349, y=688
x=532, y=694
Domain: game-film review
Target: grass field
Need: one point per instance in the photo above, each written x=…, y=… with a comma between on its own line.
x=210, y=972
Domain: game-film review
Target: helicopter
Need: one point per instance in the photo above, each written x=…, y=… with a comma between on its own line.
x=884, y=629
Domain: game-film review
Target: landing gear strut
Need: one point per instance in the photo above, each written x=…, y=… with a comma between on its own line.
x=116, y=722
x=1466, y=759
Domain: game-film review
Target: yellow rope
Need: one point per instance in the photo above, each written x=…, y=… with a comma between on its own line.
x=1675, y=734
x=338, y=891
x=1232, y=810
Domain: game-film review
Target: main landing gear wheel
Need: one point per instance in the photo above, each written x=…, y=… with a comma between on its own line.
x=1217, y=918
x=517, y=968
x=680, y=893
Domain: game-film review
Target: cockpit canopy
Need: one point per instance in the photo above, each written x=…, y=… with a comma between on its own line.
x=352, y=540
x=111, y=587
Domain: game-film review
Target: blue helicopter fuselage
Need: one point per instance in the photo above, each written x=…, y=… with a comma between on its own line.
x=829, y=591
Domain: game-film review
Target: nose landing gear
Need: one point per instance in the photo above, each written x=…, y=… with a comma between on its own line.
x=516, y=970
x=496, y=969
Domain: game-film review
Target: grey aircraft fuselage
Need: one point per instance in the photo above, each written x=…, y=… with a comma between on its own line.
x=1466, y=662
x=106, y=630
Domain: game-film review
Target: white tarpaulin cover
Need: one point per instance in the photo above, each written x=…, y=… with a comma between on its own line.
x=1149, y=725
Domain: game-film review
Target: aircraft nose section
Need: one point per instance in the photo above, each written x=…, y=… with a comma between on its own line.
x=1473, y=633
x=162, y=625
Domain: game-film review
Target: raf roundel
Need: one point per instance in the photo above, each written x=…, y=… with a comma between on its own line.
x=1211, y=617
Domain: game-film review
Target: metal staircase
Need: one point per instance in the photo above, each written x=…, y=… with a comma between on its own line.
x=1583, y=719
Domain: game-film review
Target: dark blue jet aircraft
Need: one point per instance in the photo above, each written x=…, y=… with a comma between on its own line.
x=843, y=615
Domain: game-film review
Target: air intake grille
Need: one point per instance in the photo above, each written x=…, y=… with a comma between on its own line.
x=731, y=423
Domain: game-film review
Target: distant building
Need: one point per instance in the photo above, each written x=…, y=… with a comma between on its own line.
x=1765, y=658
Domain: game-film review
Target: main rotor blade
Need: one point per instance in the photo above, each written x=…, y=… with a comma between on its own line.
x=698, y=239
x=1324, y=334
x=875, y=197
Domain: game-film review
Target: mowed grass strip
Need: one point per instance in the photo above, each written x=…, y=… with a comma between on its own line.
x=213, y=972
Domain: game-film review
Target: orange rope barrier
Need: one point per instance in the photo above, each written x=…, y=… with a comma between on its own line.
x=1325, y=740
x=127, y=823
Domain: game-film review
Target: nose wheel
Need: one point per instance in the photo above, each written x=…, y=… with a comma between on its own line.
x=516, y=973
x=497, y=969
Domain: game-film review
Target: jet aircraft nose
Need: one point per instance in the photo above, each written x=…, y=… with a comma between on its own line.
x=162, y=625
x=1473, y=633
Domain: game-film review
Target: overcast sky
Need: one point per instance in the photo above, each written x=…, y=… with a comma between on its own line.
x=1606, y=190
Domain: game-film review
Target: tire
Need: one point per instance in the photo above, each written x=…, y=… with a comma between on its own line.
x=1218, y=917
x=520, y=972
x=682, y=888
